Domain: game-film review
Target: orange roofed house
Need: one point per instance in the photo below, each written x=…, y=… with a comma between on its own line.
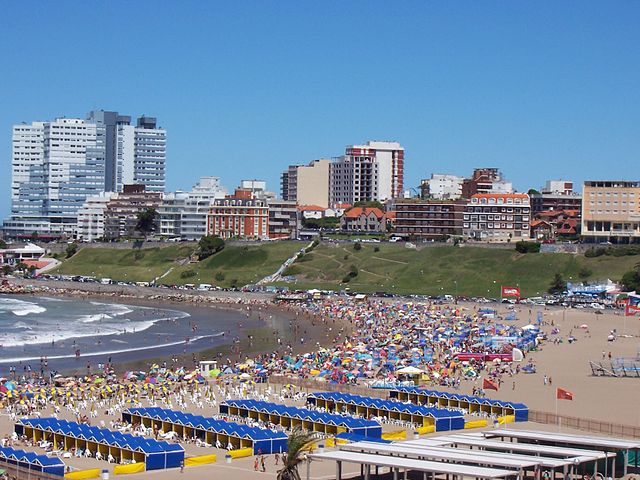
x=364, y=219
x=497, y=217
x=240, y=215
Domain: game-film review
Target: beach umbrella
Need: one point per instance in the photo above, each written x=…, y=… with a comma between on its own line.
x=584, y=326
x=10, y=386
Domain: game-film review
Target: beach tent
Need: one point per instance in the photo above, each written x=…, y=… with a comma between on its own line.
x=209, y=430
x=32, y=461
x=441, y=419
x=123, y=446
x=291, y=417
x=470, y=403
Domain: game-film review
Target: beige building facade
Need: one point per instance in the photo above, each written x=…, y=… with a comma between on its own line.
x=307, y=184
x=611, y=211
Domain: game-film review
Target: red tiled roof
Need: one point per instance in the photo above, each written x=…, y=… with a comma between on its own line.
x=311, y=208
x=357, y=211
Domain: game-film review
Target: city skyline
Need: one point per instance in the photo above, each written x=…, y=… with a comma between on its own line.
x=459, y=87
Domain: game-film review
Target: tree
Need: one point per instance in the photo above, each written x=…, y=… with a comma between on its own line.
x=558, y=285
x=34, y=236
x=6, y=269
x=584, y=273
x=533, y=191
x=631, y=280
x=71, y=250
x=146, y=221
x=3, y=244
x=209, y=245
x=299, y=441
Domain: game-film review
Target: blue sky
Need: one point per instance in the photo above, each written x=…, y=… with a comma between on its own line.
x=540, y=89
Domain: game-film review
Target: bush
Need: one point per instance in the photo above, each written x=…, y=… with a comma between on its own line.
x=353, y=271
x=346, y=279
x=292, y=270
x=219, y=276
x=209, y=245
x=527, y=247
x=346, y=256
x=139, y=255
x=376, y=249
x=71, y=250
x=188, y=274
x=357, y=246
x=234, y=283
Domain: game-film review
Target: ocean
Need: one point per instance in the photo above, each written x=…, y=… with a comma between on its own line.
x=71, y=332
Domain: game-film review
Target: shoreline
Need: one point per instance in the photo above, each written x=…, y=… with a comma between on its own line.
x=266, y=323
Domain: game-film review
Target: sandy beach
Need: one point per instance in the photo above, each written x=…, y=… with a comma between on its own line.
x=564, y=364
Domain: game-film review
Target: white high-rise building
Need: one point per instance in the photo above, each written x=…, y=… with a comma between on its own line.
x=55, y=166
x=141, y=155
x=184, y=214
x=374, y=171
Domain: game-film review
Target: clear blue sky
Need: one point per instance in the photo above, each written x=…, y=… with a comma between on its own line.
x=540, y=89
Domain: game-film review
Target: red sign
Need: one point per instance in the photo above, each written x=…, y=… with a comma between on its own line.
x=562, y=394
x=489, y=384
x=511, y=292
x=632, y=306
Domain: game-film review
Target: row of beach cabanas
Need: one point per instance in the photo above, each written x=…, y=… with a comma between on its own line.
x=291, y=417
x=32, y=461
x=208, y=430
x=469, y=403
x=123, y=447
x=440, y=418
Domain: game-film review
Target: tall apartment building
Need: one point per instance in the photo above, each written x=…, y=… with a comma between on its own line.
x=135, y=154
x=497, y=217
x=374, y=171
x=240, y=215
x=55, y=166
x=485, y=180
x=556, y=195
x=427, y=220
x=442, y=187
x=307, y=184
x=184, y=214
x=611, y=211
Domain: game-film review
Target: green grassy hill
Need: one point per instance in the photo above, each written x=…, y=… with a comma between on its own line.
x=393, y=268
x=235, y=265
x=446, y=269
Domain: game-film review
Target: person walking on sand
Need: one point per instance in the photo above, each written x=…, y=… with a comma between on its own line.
x=545, y=380
x=255, y=464
x=263, y=467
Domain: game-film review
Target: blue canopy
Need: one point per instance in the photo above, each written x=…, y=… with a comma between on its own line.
x=157, y=454
x=32, y=461
x=520, y=410
x=263, y=440
x=368, y=428
x=444, y=419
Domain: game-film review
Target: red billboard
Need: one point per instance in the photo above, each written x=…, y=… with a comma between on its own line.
x=510, y=292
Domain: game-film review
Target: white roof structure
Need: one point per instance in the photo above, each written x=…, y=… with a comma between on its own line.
x=478, y=442
x=412, y=464
x=601, y=443
x=438, y=454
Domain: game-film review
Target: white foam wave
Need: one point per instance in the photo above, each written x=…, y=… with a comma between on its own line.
x=20, y=307
x=112, y=352
x=94, y=318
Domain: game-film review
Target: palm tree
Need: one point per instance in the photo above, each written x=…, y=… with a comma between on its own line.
x=299, y=441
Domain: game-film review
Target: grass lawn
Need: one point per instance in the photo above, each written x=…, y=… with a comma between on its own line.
x=446, y=269
x=236, y=265
x=138, y=265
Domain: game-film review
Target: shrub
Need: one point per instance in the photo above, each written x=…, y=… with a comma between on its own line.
x=71, y=250
x=346, y=279
x=219, y=276
x=188, y=274
x=376, y=249
x=209, y=245
x=138, y=255
x=527, y=247
x=357, y=246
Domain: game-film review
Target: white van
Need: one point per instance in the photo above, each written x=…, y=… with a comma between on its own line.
x=106, y=281
x=204, y=287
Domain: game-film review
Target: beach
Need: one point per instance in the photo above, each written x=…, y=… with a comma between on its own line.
x=337, y=341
